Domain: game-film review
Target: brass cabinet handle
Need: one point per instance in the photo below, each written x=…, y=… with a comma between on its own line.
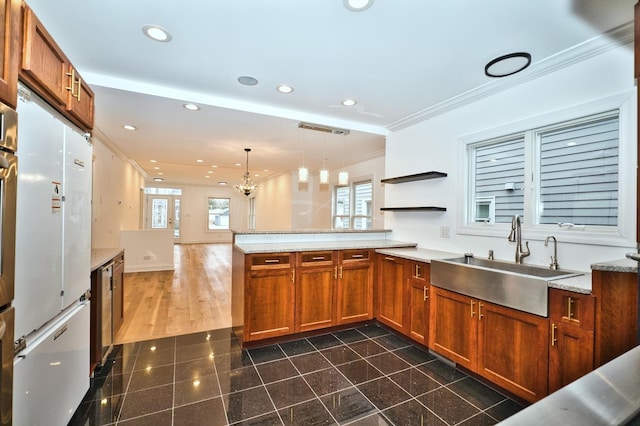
x=357, y=256
x=472, y=312
x=272, y=261
x=553, y=334
x=335, y=273
x=389, y=258
x=79, y=82
x=72, y=75
x=570, y=307
x=293, y=275
x=340, y=274
x=425, y=292
x=480, y=311
x=418, y=273
x=317, y=258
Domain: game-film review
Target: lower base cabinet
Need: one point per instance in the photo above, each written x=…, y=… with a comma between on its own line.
x=504, y=345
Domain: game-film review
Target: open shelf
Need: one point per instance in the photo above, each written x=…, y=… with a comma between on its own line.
x=415, y=177
x=430, y=208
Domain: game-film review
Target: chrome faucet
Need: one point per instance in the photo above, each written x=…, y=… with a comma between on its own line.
x=554, y=258
x=516, y=236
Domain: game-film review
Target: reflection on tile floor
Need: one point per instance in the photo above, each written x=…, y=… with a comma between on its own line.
x=361, y=376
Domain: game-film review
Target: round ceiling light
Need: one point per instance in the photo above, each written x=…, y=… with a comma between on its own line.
x=156, y=33
x=349, y=102
x=357, y=5
x=191, y=107
x=247, y=80
x=506, y=65
x=129, y=127
x=284, y=88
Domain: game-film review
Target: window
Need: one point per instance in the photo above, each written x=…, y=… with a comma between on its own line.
x=352, y=207
x=162, y=191
x=565, y=174
x=218, y=217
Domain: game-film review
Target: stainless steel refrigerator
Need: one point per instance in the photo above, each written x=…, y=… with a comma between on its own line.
x=53, y=262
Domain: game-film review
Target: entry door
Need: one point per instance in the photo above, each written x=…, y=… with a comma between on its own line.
x=163, y=212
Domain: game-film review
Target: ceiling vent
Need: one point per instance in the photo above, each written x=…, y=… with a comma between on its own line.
x=321, y=128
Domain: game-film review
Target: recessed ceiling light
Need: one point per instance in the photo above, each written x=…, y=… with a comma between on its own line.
x=214, y=166
x=191, y=107
x=199, y=161
x=238, y=164
x=247, y=80
x=210, y=171
x=158, y=179
x=266, y=170
x=129, y=127
x=357, y=5
x=284, y=88
x=156, y=33
x=156, y=168
x=349, y=102
x=207, y=176
x=222, y=183
x=159, y=173
x=506, y=65
x=153, y=161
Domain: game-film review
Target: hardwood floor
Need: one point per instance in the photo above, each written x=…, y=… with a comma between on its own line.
x=196, y=296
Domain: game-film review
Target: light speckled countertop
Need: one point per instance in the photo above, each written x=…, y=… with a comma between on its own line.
x=101, y=256
x=619, y=265
x=318, y=245
x=309, y=231
x=417, y=254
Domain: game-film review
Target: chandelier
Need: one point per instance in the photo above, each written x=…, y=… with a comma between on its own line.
x=248, y=187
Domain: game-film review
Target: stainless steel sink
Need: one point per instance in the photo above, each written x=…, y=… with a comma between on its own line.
x=517, y=286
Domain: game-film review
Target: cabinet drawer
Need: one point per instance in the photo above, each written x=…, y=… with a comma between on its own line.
x=353, y=255
x=572, y=308
x=316, y=258
x=273, y=260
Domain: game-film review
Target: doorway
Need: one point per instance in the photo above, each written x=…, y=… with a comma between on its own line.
x=163, y=212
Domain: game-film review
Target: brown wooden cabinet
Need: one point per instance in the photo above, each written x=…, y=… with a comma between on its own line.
x=315, y=290
x=46, y=69
x=571, y=342
x=418, y=315
x=269, y=296
x=504, y=345
x=391, y=292
x=10, y=57
x=355, y=286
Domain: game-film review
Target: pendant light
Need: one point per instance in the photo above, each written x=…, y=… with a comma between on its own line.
x=343, y=176
x=248, y=186
x=303, y=171
x=324, y=173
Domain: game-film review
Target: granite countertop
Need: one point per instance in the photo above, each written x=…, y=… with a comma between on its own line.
x=417, y=254
x=576, y=284
x=103, y=255
x=280, y=247
x=619, y=265
x=309, y=231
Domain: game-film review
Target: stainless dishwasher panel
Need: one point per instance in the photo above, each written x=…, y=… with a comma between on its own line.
x=106, y=309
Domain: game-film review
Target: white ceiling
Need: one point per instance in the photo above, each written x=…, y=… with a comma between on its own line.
x=399, y=59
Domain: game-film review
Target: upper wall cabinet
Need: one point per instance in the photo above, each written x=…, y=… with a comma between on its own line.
x=10, y=42
x=46, y=69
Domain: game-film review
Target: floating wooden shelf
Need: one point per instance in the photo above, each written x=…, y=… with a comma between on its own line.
x=431, y=208
x=412, y=178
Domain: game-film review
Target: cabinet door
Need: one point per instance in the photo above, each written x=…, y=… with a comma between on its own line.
x=43, y=62
x=570, y=354
x=118, y=293
x=80, y=101
x=355, y=287
x=269, y=304
x=10, y=57
x=513, y=351
x=419, y=302
x=453, y=326
x=315, y=284
x=391, y=291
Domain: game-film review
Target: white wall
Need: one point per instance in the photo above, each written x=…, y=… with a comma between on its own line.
x=147, y=250
x=434, y=145
x=273, y=204
x=116, y=196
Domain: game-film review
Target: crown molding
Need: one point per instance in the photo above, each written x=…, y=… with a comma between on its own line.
x=595, y=46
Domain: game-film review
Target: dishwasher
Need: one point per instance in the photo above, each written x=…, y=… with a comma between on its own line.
x=106, y=310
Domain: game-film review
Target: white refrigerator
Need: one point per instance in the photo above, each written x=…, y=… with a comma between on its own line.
x=53, y=266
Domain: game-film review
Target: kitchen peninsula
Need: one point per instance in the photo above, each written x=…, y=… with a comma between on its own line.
x=285, y=282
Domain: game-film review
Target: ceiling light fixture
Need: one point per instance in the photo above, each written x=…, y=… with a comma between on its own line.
x=357, y=5
x=324, y=173
x=321, y=128
x=129, y=127
x=158, y=179
x=191, y=107
x=303, y=171
x=507, y=65
x=247, y=80
x=248, y=186
x=284, y=88
x=156, y=33
x=222, y=183
x=349, y=102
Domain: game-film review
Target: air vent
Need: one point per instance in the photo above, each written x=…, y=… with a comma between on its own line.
x=321, y=128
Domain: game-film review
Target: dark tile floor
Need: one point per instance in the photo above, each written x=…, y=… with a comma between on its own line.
x=361, y=376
